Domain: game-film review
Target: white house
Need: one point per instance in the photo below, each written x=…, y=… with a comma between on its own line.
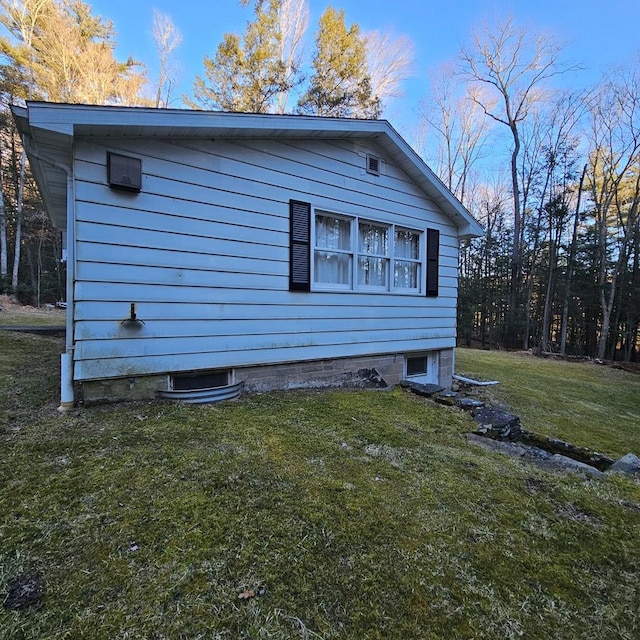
x=208, y=250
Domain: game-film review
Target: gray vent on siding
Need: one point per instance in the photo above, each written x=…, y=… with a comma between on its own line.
x=373, y=165
x=124, y=172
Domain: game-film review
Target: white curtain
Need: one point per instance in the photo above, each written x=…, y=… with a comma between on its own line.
x=407, y=246
x=333, y=237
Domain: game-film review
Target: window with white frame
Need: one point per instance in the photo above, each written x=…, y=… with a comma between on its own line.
x=373, y=256
x=333, y=255
x=357, y=254
x=407, y=262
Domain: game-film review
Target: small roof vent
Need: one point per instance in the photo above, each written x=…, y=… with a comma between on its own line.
x=373, y=165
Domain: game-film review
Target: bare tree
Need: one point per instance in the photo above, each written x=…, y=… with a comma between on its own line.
x=514, y=65
x=452, y=112
x=560, y=144
x=389, y=61
x=614, y=181
x=573, y=247
x=294, y=20
x=546, y=172
x=20, y=18
x=167, y=39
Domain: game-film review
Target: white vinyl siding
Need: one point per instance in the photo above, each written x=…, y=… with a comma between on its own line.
x=203, y=252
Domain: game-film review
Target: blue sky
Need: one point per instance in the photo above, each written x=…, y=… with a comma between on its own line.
x=597, y=34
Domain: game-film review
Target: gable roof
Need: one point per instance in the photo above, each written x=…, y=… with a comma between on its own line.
x=49, y=130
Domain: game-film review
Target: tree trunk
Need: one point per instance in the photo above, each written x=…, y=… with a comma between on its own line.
x=514, y=285
x=570, y=264
x=606, y=304
x=545, y=342
x=19, y=217
x=4, y=262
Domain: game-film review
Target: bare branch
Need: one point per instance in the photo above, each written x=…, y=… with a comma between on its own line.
x=167, y=39
x=389, y=61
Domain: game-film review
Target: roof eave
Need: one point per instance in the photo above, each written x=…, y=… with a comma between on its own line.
x=63, y=121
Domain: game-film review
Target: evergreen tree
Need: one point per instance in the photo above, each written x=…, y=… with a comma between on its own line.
x=340, y=85
x=247, y=73
x=66, y=54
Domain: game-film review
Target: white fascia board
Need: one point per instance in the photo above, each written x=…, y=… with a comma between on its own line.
x=415, y=167
x=65, y=118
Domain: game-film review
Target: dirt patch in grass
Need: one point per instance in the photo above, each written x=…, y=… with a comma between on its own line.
x=24, y=592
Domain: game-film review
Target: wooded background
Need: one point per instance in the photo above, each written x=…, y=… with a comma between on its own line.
x=558, y=268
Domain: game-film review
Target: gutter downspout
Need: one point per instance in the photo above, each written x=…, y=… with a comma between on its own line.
x=67, y=394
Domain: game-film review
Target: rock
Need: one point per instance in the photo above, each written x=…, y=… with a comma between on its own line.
x=426, y=390
x=628, y=464
x=575, y=465
x=365, y=379
x=497, y=424
x=468, y=404
x=534, y=455
x=508, y=448
x=447, y=398
x=562, y=448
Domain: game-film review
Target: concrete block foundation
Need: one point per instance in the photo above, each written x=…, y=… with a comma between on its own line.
x=382, y=371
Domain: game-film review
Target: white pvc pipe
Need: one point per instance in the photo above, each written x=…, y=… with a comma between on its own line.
x=67, y=397
x=474, y=382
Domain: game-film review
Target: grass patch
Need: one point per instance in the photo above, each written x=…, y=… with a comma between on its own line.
x=345, y=515
x=587, y=404
x=13, y=314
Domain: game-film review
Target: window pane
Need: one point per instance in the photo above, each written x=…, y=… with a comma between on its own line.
x=407, y=244
x=372, y=239
x=416, y=366
x=405, y=274
x=332, y=268
x=333, y=233
x=372, y=271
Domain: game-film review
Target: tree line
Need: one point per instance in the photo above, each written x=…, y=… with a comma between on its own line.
x=558, y=268
x=58, y=50
x=553, y=174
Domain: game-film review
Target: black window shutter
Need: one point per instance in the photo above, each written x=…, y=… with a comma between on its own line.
x=433, y=251
x=299, y=246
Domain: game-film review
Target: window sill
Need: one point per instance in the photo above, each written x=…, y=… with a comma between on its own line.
x=384, y=292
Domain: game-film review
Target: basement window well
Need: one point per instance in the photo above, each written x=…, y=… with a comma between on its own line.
x=202, y=387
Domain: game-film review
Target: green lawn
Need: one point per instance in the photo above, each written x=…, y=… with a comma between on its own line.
x=12, y=314
x=590, y=405
x=346, y=515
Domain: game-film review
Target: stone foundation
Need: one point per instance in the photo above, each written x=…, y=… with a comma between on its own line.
x=445, y=372
x=122, y=389
x=340, y=372
x=359, y=372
